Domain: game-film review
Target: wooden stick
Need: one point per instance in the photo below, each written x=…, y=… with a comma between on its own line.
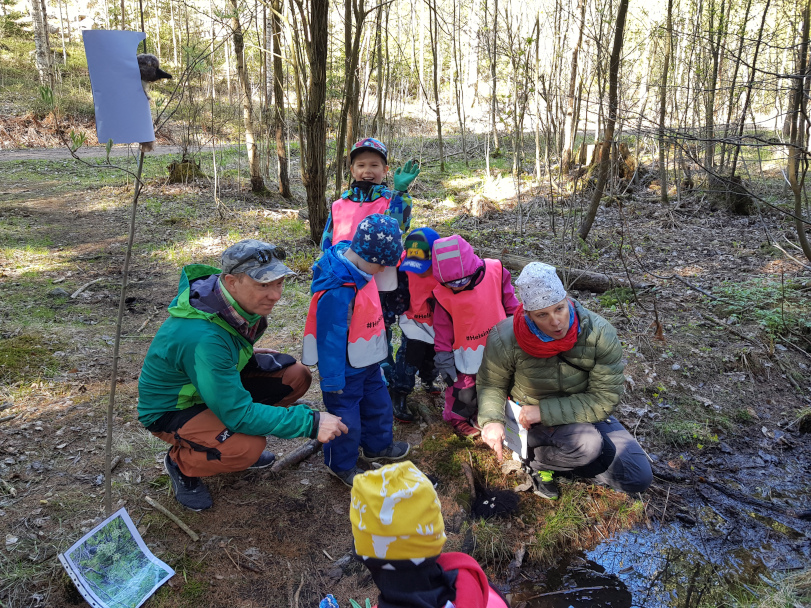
x=470, y=482
x=173, y=517
x=9, y=488
x=567, y=591
x=148, y=319
x=297, y=455
x=108, y=446
x=85, y=286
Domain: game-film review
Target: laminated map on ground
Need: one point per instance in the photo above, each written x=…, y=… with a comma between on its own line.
x=112, y=567
x=515, y=436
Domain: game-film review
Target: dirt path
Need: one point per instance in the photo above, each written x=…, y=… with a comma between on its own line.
x=88, y=152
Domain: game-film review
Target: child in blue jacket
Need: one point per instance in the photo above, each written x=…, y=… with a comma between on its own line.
x=345, y=335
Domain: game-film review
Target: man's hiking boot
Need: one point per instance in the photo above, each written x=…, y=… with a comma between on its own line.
x=347, y=476
x=543, y=485
x=189, y=491
x=396, y=451
x=464, y=429
x=266, y=459
x=400, y=408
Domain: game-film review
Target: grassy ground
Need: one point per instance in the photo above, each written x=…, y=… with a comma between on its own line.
x=64, y=225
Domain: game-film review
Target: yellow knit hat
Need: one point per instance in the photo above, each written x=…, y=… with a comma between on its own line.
x=396, y=514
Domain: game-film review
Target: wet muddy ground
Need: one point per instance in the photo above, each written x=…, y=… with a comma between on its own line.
x=739, y=519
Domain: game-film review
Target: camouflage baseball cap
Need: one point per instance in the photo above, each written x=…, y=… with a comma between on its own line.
x=259, y=260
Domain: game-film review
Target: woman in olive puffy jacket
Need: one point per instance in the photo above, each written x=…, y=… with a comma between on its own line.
x=561, y=364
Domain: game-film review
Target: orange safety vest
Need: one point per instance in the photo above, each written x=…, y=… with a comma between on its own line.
x=474, y=313
x=347, y=216
x=417, y=322
x=366, y=344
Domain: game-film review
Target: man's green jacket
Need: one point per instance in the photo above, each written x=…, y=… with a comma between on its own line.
x=196, y=358
x=564, y=393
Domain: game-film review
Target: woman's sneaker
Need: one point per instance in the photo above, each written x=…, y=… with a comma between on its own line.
x=396, y=451
x=543, y=485
x=189, y=491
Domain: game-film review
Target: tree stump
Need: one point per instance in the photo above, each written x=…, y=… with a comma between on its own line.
x=184, y=171
x=728, y=192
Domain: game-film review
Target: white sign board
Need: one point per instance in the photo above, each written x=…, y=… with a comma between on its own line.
x=122, y=107
x=515, y=436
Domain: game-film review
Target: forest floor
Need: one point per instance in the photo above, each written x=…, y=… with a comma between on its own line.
x=717, y=392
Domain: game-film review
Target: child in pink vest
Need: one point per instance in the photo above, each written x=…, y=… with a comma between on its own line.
x=368, y=193
x=472, y=296
x=345, y=336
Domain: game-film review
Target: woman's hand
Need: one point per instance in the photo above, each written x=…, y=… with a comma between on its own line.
x=529, y=415
x=493, y=435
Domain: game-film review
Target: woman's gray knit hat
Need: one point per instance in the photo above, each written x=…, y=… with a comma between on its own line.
x=539, y=286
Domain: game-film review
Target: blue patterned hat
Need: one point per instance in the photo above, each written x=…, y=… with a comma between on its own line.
x=372, y=144
x=378, y=240
x=418, y=250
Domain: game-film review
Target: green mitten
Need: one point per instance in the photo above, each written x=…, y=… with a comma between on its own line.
x=405, y=175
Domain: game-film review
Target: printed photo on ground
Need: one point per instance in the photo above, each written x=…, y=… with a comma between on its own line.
x=112, y=567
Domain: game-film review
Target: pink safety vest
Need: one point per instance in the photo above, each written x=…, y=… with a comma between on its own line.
x=347, y=215
x=366, y=344
x=474, y=313
x=417, y=322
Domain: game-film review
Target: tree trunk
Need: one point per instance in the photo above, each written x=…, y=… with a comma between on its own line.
x=663, y=105
x=346, y=122
x=434, y=28
x=616, y=56
x=42, y=56
x=752, y=74
x=458, y=76
x=257, y=184
x=315, y=125
x=738, y=56
x=123, y=16
x=174, y=40
x=278, y=99
x=377, y=121
x=797, y=152
x=570, y=125
x=493, y=96
x=716, y=36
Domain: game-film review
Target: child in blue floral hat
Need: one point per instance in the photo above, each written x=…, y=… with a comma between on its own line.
x=345, y=336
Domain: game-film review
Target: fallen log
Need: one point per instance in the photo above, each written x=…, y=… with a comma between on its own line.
x=301, y=453
x=573, y=278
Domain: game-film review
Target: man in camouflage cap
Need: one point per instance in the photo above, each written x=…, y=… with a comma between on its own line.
x=207, y=391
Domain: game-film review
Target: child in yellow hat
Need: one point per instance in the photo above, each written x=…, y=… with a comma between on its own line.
x=399, y=534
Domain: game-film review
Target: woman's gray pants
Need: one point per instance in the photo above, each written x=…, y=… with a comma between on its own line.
x=605, y=451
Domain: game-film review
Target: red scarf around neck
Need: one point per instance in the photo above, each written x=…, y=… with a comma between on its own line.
x=533, y=345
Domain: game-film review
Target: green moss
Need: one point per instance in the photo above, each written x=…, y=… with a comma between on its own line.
x=25, y=356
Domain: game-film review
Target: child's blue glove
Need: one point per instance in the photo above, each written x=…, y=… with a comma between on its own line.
x=405, y=175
